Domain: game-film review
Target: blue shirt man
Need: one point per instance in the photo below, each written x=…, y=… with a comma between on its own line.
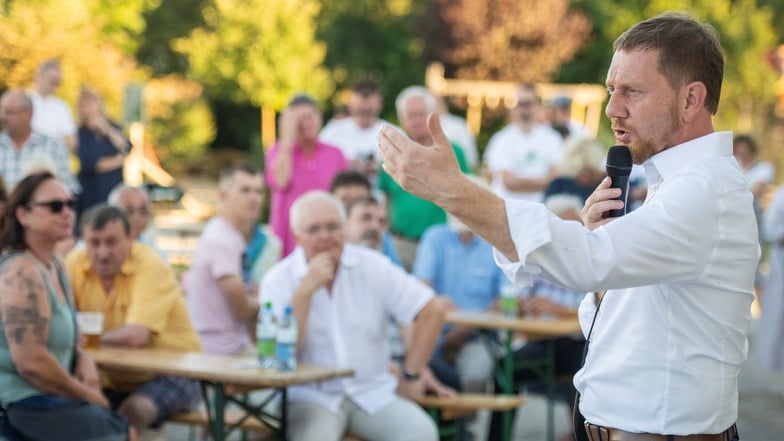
x=459, y=265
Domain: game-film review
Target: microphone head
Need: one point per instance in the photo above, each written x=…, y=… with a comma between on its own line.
x=619, y=161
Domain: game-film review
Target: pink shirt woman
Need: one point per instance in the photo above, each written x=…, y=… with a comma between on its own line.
x=298, y=163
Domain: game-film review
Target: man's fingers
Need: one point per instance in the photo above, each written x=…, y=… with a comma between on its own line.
x=434, y=125
x=390, y=139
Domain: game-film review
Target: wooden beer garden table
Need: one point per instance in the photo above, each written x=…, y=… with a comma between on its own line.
x=223, y=374
x=531, y=329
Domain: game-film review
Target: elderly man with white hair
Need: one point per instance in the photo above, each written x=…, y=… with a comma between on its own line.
x=410, y=216
x=342, y=296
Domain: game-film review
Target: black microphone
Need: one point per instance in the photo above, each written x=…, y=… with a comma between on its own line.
x=619, y=167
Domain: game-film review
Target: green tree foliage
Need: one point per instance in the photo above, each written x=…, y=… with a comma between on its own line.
x=746, y=31
x=373, y=39
x=258, y=51
x=121, y=22
x=171, y=20
x=31, y=32
x=179, y=121
x=511, y=40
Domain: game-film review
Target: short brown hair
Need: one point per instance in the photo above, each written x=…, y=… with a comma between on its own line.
x=688, y=51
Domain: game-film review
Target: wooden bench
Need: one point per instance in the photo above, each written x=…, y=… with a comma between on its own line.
x=445, y=408
x=464, y=404
x=232, y=417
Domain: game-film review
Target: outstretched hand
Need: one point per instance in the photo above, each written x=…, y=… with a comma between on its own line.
x=425, y=171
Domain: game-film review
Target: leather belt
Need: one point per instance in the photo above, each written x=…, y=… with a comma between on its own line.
x=600, y=433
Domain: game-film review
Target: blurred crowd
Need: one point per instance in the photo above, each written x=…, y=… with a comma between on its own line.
x=364, y=264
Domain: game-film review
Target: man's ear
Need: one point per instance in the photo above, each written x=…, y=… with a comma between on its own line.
x=694, y=95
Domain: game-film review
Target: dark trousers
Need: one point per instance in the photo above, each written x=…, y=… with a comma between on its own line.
x=568, y=360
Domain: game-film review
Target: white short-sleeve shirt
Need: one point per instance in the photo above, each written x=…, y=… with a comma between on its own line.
x=347, y=327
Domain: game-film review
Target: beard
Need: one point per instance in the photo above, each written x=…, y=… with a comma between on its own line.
x=371, y=239
x=658, y=138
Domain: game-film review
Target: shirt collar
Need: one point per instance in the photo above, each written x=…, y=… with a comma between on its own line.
x=668, y=162
x=129, y=264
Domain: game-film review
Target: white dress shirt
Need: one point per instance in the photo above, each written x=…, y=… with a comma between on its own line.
x=670, y=336
x=347, y=327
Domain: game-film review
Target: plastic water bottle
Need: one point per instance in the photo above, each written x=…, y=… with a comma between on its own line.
x=266, y=334
x=509, y=300
x=287, y=341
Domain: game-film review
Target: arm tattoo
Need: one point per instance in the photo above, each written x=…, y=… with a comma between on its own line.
x=23, y=320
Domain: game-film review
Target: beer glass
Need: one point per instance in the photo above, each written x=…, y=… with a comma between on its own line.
x=91, y=326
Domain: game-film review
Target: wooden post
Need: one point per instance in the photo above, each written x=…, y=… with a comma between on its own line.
x=132, y=168
x=268, y=129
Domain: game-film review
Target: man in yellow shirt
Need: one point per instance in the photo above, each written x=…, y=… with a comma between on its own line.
x=142, y=306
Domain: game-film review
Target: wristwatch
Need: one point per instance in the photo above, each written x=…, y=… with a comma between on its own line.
x=409, y=375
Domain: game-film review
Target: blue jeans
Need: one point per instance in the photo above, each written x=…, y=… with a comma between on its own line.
x=48, y=417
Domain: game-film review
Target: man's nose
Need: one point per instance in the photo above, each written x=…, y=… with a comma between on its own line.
x=615, y=108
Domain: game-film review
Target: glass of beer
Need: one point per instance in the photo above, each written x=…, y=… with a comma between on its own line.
x=91, y=326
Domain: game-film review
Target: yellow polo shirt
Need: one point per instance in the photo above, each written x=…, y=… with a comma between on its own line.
x=144, y=293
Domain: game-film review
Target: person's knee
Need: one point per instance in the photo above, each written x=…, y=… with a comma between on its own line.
x=140, y=411
x=422, y=428
x=307, y=422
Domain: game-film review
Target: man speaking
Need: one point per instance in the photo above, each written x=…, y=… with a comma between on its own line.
x=669, y=339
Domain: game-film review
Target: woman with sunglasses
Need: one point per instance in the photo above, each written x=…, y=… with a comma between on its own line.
x=49, y=388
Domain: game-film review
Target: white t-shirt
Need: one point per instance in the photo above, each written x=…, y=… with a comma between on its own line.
x=527, y=155
x=51, y=116
x=671, y=335
x=357, y=143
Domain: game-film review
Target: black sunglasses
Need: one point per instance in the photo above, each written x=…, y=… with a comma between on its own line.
x=56, y=205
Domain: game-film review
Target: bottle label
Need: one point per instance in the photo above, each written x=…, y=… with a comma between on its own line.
x=266, y=347
x=286, y=356
x=509, y=305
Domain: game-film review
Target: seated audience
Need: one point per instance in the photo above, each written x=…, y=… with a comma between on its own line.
x=135, y=203
x=342, y=297
x=298, y=162
x=143, y=307
x=546, y=299
x=366, y=223
x=50, y=387
x=349, y=185
x=222, y=298
x=459, y=265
